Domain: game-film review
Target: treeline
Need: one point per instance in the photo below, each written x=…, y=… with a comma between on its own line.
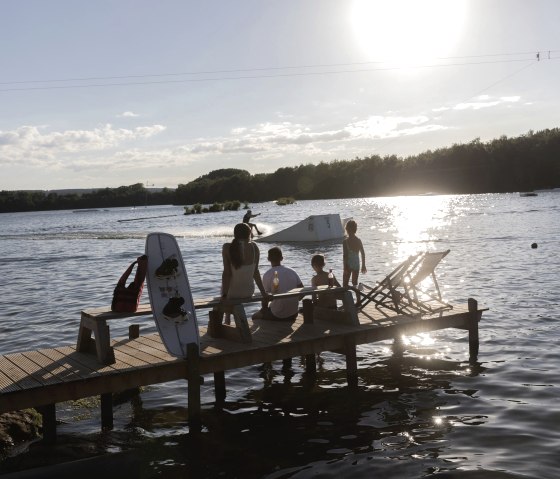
x=523, y=163
x=133, y=195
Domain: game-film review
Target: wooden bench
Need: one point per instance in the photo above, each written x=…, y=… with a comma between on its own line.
x=94, y=321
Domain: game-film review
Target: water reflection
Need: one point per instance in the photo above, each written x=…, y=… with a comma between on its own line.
x=409, y=224
x=289, y=424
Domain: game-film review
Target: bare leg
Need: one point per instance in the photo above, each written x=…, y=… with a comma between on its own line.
x=345, y=277
x=253, y=225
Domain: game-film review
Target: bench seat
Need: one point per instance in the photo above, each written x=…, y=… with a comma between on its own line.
x=94, y=320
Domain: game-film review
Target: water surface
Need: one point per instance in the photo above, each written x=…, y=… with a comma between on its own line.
x=426, y=411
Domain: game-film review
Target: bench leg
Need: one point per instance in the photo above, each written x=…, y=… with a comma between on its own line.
x=84, y=337
x=100, y=330
x=105, y=352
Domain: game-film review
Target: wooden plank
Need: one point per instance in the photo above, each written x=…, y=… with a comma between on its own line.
x=43, y=375
x=65, y=358
x=144, y=344
x=105, y=312
x=63, y=361
x=123, y=361
x=85, y=361
x=126, y=361
x=17, y=374
x=59, y=371
x=145, y=357
x=7, y=384
x=155, y=341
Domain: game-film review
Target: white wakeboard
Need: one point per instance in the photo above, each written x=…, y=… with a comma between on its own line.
x=170, y=294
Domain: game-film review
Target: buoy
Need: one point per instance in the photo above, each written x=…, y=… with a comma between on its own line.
x=534, y=245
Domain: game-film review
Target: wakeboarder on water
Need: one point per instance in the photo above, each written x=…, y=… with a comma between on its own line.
x=247, y=219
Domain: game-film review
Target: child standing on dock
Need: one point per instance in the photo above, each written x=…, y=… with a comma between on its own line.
x=352, y=248
x=322, y=279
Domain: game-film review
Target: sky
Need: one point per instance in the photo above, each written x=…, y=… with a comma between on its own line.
x=117, y=92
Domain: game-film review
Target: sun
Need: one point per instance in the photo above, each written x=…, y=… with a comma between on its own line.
x=407, y=32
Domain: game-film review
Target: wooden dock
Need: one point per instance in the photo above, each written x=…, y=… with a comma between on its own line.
x=42, y=378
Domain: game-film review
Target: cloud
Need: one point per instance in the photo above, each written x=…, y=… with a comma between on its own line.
x=485, y=101
x=34, y=144
x=286, y=137
x=128, y=114
x=378, y=127
x=96, y=151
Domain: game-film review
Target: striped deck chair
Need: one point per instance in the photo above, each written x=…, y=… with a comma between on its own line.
x=419, y=295
x=388, y=292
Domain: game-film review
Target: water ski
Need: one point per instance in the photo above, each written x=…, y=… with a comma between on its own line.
x=170, y=294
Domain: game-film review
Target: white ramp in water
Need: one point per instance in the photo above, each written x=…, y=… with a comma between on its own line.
x=313, y=228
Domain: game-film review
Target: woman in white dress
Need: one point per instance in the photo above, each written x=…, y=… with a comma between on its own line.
x=241, y=266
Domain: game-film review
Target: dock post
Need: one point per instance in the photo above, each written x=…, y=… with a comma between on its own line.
x=214, y=323
x=310, y=362
x=106, y=411
x=134, y=331
x=193, y=378
x=351, y=361
x=473, y=329
x=398, y=344
x=220, y=386
x=286, y=363
x=48, y=414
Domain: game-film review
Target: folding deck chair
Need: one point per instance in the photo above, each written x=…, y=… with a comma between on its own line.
x=423, y=299
x=400, y=291
x=385, y=294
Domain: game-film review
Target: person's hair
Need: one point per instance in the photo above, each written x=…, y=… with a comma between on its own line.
x=318, y=260
x=275, y=254
x=241, y=232
x=351, y=227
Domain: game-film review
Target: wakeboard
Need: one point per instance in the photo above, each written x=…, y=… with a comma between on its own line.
x=170, y=294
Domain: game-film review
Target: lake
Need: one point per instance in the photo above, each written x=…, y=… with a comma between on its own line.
x=426, y=412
